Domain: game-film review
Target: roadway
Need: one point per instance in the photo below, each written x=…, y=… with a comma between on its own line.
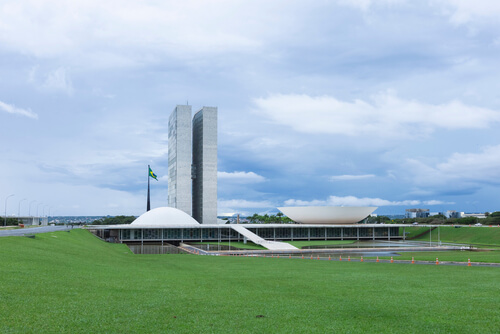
x=33, y=230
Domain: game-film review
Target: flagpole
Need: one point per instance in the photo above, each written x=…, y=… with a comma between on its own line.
x=149, y=204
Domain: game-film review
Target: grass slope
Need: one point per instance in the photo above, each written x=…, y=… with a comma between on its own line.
x=74, y=283
x=305, y=243
x=298, y=244
x=476, y=235
x=452, y=256
x=237, y=244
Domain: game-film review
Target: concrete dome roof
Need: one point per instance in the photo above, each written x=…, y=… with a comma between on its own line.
x=164, y=216
x=327, y=214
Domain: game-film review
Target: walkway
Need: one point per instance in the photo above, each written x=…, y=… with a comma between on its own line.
x=271, y=245
x=33, y=230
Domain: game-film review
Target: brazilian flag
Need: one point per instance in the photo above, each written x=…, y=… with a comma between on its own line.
x=153, y=175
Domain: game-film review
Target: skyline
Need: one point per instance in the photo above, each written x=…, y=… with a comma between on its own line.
x=385, y=103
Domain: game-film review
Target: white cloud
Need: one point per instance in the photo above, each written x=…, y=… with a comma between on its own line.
x=384, y=116
x=464, y=11
x=436, y=202
x=243, y=207
x=58, y=80
x=350, y=177
x=355, y=201
x=126, y=32
x=366, y=4
x=242, y=203
x=464, y=169
x=240, y=177
x=11, y=109
x=458, y=11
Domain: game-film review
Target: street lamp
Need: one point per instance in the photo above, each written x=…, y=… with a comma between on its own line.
x=45, y=206
x=5, y=220
x=37, y=208
x=29, y=210
x=37, y=216
x=19, y=208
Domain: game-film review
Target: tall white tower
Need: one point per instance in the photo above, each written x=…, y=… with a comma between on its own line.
x=204, y=169
x=192, y=162
x=179, y=159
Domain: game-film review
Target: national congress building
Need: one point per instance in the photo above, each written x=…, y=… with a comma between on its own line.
x=191, y=215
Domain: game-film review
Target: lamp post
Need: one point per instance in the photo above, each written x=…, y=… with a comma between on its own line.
x=37, y=216
x=29, y=210
x=19, y=208
x=5, y=220
x=37, y=208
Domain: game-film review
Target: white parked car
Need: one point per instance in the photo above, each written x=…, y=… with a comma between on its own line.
x=478, y=224
x=415, y=223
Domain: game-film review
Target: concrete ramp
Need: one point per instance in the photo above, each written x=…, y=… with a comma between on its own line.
x=271, y=245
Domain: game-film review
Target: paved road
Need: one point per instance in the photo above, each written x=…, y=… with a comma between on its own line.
x=33, y=230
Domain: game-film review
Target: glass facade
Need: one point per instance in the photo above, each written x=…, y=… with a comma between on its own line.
x=225, y=233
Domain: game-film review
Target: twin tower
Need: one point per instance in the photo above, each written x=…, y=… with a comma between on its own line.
x=192, y=162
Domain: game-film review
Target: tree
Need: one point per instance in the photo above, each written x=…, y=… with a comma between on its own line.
x=10, y=221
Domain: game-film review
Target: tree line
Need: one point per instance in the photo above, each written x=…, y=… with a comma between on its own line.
x=491, y=219
x=278, y=218
x=117, y=220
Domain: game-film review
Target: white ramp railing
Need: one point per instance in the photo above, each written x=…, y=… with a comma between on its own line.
x=271, y=245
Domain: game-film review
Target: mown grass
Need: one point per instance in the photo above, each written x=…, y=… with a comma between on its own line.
x=75, y=283
x=475, y=235
x=302, y=244
x=413, y=231
x=454, y=256
x=298, y=244
x=237, y=244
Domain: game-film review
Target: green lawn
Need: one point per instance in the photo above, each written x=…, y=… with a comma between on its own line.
x=302, y=244
x=476, y=235
x=237, y=244
x=298, y=244
x=75, y=283
x=455, y=256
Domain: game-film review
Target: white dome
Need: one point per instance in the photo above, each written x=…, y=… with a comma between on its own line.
x=164, y=216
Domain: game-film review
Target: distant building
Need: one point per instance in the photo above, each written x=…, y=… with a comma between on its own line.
x=192, y=163
x=451, y=214
x=416, y=213
x=476, y=215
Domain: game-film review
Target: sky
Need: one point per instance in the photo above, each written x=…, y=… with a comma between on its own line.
x=390, y=103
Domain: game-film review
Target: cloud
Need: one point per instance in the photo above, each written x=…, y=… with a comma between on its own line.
x=242, y=203
x=460, y=170
x=240, y=177
x=366, y=4
x=243, y=206
x=384, y=116
x=58, y=80
x=355, y=201
x=465, y=11
x=11, y=109
x=124, y=33
x=350, y=177
x=458, y=11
